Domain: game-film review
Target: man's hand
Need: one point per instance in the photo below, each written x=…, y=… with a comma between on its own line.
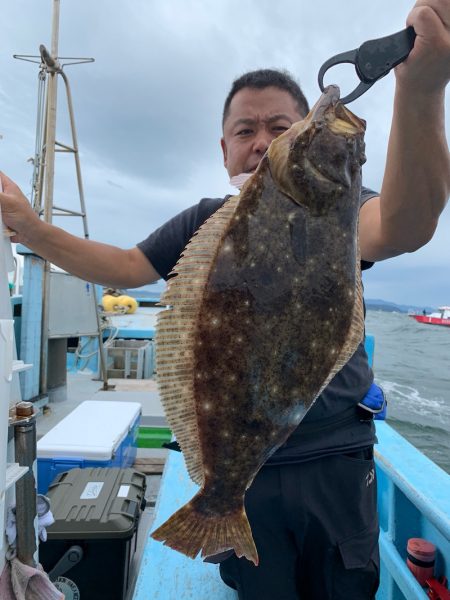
x=427, y=68
x=17, y=213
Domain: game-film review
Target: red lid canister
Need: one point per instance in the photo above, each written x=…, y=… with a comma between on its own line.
x=420, y=557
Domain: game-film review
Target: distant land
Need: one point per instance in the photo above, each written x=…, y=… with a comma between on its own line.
x=393, y=307
x=371, y=304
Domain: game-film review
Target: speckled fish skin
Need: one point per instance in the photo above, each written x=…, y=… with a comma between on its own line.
x=282, y=309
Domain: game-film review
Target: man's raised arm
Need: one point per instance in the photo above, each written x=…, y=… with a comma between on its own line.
x=416, y=181
x=92, y=261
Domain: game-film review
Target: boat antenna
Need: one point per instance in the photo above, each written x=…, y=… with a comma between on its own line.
x=52, y=66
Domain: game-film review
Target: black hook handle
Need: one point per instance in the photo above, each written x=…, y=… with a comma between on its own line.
x=372, y=60
x=376, y=58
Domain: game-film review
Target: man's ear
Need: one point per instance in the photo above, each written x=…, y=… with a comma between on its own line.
x=224, y=150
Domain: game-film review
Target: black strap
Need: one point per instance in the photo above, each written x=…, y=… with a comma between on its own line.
x=419, y=563
x=172, y=446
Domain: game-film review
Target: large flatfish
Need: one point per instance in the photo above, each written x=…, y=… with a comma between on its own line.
x=265, y=308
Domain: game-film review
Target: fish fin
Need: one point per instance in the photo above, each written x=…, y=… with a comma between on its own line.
x=190, y=531
x=355, y=333
x=175, y=331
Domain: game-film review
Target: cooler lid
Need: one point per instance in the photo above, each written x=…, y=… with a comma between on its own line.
x=96, y=503
x=94, y=430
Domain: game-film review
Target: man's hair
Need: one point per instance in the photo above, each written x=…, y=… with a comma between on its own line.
x=263, y=78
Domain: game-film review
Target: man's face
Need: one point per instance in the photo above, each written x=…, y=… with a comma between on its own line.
x=255, y=118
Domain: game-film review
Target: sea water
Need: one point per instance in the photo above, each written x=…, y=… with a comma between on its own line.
x=412, y=365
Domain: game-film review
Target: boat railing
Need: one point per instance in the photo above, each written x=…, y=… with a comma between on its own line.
x=413, y=502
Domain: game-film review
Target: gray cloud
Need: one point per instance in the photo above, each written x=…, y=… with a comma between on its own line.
x=148, y=110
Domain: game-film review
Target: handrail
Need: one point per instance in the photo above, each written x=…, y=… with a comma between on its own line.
x=413, y=501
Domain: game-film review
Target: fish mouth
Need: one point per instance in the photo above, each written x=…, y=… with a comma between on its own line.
x=319, y=175
x=337, y=178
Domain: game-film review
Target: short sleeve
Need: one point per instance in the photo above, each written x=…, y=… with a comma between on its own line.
x=367, y=194
x=164, y=246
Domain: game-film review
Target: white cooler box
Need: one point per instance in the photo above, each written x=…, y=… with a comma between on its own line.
x=96, y=434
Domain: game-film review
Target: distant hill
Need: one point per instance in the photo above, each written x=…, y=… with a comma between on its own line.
x=371, y=304
x=378, y=304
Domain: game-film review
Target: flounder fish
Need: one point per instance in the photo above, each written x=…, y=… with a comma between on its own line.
x=264, y=309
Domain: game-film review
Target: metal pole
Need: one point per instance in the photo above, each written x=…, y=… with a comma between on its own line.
x=101, y=350
x=50, y=135
x=26, y=512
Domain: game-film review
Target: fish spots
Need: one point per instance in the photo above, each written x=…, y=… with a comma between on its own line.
x=206, y=406
x=298, y=416
x=215, y=321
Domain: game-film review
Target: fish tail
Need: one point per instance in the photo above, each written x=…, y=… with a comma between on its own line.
x=190, y=531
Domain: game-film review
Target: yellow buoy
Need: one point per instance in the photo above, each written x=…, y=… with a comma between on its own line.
x=109, y=302
x=129, y=302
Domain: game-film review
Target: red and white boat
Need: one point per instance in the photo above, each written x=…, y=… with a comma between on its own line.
x=442, y=317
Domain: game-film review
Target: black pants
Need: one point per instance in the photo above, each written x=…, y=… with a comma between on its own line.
x=315, y=527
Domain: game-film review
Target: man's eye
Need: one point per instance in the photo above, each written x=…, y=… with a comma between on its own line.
x=243, y=132
x=279, y=128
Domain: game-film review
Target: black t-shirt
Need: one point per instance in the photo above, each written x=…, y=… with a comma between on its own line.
x=333, y=424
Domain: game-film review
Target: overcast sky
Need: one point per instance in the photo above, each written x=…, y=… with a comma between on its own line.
x=148, y=110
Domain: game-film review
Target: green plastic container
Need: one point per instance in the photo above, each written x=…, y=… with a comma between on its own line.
x=153, y=437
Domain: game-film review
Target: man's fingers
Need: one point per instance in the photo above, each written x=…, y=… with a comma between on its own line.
x=7, y=183
x=430, y=16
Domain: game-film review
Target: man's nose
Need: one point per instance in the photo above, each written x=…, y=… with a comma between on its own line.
x=261, y=142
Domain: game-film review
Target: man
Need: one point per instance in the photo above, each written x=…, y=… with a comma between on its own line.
x=313, y=506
